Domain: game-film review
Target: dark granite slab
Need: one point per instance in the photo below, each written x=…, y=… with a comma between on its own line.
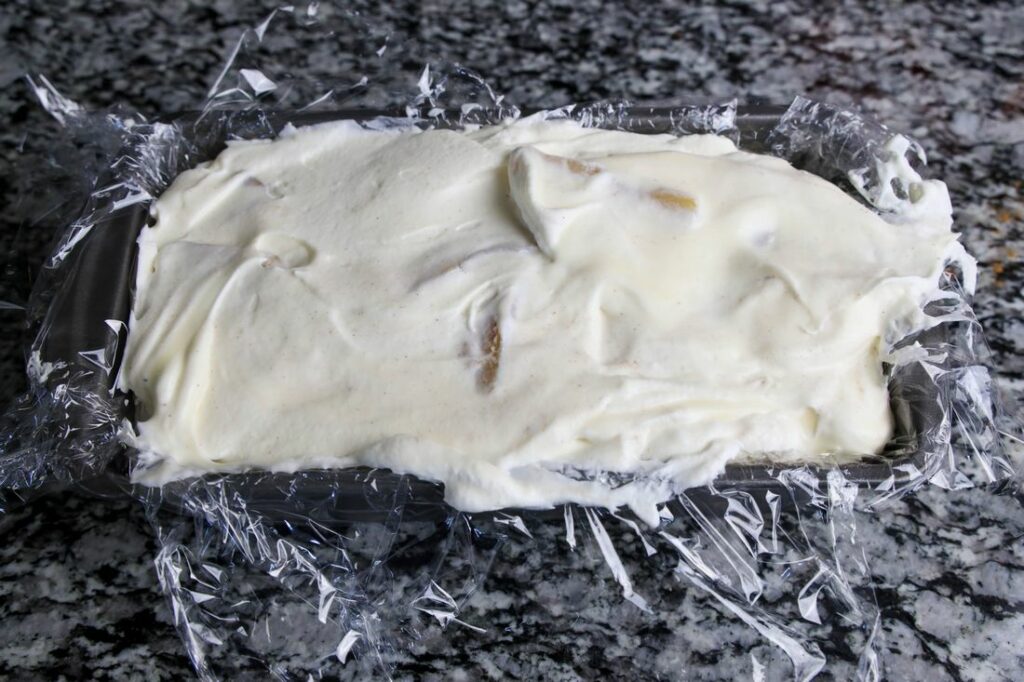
x=78, y=595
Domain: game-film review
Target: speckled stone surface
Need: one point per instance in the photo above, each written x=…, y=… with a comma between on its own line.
x=78, y=596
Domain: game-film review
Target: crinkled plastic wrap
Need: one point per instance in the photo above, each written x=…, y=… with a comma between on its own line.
x=340, y=572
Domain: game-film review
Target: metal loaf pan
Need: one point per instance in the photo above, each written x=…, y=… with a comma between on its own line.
x=99, y=289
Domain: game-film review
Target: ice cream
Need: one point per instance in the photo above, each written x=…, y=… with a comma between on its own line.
x=512, y=309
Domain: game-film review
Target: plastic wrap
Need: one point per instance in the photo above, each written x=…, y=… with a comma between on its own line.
x=326, y=572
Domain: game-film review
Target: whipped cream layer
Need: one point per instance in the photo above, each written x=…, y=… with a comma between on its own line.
x=505, y=308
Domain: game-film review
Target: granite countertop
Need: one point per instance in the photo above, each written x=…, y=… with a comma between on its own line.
x=78, y=594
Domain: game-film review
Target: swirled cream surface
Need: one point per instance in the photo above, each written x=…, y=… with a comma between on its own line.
x=503, y=309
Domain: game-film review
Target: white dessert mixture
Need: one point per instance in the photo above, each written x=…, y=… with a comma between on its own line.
x=502, y=309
